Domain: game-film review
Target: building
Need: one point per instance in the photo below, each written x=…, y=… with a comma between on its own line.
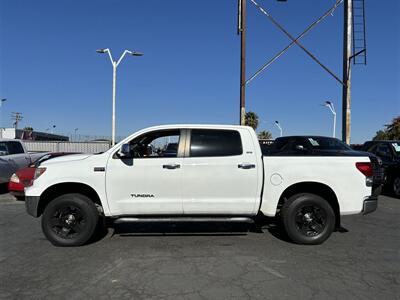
x=12, y=133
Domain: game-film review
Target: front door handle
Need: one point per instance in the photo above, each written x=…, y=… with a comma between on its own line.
x=246, y=166
x=172, y=166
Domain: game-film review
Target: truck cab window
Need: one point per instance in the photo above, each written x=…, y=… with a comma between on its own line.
x=9, y=148
x=15, y=148
x=3, y=149
x=383, y=150
x=212, y=142
x=156, y=144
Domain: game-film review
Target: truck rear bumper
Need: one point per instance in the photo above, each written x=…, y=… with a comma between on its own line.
x=31, y=205
x=371, y=203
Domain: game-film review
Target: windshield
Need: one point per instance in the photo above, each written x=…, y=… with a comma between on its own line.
x=325, y=143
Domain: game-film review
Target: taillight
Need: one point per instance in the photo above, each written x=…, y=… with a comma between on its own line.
x=14, y=178
x=365, y=168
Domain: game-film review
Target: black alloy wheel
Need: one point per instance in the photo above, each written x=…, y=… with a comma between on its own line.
x=307, y=219
x=310, y=220
x=70, y=220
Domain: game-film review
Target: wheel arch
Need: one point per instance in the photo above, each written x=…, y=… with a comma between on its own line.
x=63, y=188
x=316, y=188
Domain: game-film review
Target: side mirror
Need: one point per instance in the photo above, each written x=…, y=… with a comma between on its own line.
x=125, y=150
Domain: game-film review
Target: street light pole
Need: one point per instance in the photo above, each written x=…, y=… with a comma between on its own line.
x=329, y=104
x=279, y=126
x=115, y=65
x=113, y=103
x=1, y=105
x=76, y=129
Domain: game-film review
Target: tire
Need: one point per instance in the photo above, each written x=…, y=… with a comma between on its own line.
x=396, y=186
x=20, y=198
x=70, y=220
x=307, y=219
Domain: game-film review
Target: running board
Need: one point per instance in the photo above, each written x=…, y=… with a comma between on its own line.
x=184, y=219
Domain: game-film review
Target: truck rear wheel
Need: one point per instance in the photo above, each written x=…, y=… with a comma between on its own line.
x=70, y=220
x=308, y=219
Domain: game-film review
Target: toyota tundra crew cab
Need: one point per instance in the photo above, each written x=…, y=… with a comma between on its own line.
x=199, y=173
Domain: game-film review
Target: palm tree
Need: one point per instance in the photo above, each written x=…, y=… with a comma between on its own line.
x=391, y=132
x=264, y=135
x=251, y=119
x=393, y=129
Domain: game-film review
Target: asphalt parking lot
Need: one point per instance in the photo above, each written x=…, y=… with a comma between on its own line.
x=167, y=261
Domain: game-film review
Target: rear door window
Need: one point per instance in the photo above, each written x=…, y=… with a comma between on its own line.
x=212, y=142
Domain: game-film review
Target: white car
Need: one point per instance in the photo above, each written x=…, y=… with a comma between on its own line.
x=216, y=173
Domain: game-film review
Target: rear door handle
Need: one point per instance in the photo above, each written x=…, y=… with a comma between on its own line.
x=172, y=166
x=246, y=166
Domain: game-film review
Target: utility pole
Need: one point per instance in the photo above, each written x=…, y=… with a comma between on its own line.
x=16, y=117
x=347, y=46
x=242, y=32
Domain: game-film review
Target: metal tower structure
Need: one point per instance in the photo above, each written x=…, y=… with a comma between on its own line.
x=354, y=48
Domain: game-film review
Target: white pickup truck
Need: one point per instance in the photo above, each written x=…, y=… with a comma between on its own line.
x=198, y=173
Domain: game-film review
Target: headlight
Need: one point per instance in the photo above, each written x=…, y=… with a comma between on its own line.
x=38, y=172
x=14, y=178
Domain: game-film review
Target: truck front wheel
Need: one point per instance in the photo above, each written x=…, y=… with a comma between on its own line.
x=308, y=219
x=70, y=220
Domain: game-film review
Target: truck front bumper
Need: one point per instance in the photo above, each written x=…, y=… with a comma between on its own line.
x=31, y=205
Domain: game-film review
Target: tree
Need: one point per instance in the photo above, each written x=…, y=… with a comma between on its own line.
x=393, y=129
x=251, y=119
x=380, y=136
x=391, y=132
x=265, y=135
x=28, y=128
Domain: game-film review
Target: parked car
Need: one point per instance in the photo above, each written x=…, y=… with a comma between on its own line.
x=389, y=152
x=311, y=146
x=24, y=177
x=324, y=146
x=13, y=156
x=357, y=147
x=218, y=174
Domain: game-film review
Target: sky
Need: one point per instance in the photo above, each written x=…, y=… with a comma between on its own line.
x=51, y=73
